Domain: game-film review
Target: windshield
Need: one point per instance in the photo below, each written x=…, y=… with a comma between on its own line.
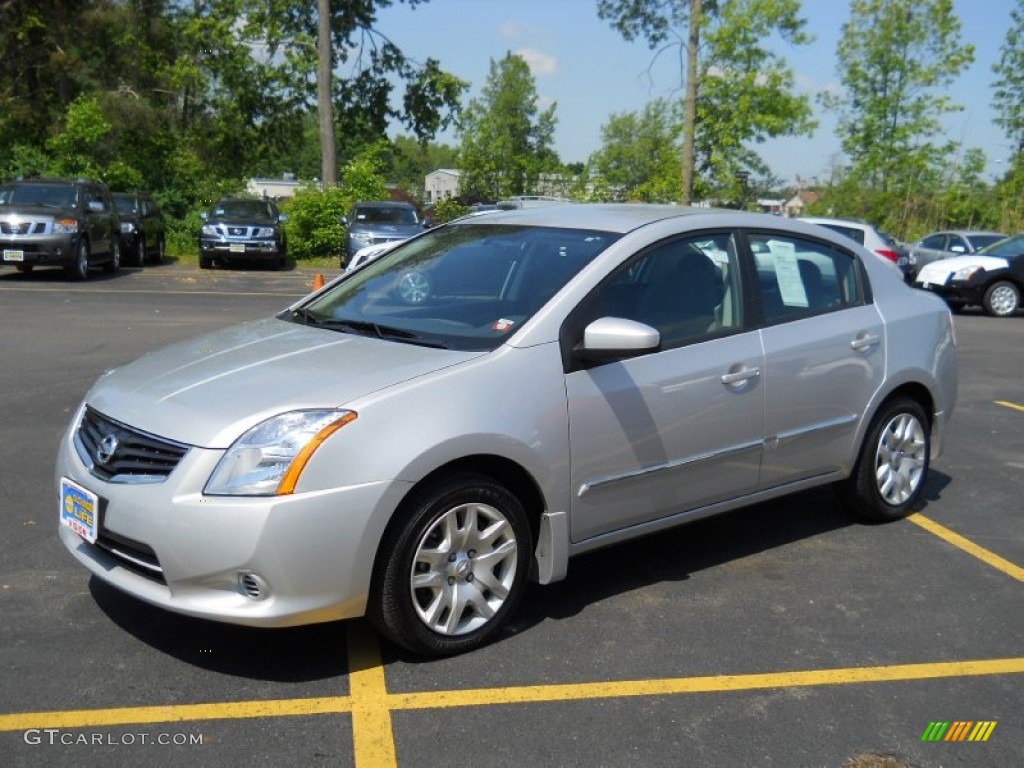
x=384, y=214
x=984, y=241
x=125, y=204
x=51, y=196
x=464, y=286
x=1007, y=248
x=246, y=208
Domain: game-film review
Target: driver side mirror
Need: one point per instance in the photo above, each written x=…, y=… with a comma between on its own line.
x=609, y=338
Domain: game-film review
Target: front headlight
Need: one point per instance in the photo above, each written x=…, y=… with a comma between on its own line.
x=265, y=232
x=966, y=273
x=268, y=459
x=127, y=227
x=65, y=226
x=361, y=237
x=210, y=230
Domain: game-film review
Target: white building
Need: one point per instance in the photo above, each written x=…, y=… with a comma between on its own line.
x=274, y=188
x=441, y=184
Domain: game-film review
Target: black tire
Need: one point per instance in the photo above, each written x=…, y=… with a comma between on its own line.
x=205, y=263
x=161, y=247
x=443, y=616
x=893, y=464
x=1002, y=299
x=114, y=256
x=26, y=268
x=79, y=270
x=140, y=251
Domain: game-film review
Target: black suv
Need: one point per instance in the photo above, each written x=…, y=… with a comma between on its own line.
x=243, y=228
x=58, y=223
x=142, y=227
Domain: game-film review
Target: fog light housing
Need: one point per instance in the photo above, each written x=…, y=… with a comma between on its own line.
x=253, y=586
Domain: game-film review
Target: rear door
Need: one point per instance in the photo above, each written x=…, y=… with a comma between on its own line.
x=824, y=345
x=675, y=429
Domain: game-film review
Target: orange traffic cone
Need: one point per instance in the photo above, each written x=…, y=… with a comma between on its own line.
x=318, y=281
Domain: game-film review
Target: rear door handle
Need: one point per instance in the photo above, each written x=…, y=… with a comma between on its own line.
x=740, y=376
x=865, y=341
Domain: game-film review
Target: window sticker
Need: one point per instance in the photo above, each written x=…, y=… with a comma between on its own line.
x=502, y=325
x=787, y=274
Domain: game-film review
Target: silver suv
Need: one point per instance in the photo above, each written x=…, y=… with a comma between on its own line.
x=379, y=222
x=69, y=223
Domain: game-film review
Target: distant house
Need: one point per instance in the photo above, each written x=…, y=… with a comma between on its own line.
x=796, y=204
x=286, y=186
x=767, y=205
x=441, y=185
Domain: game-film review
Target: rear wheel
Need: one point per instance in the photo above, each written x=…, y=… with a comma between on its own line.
x=79, y=269
x=1002, y=299
x=140, y=251
x=160, y=246
x=893, y=463
x=452, y=566
x=205, y=263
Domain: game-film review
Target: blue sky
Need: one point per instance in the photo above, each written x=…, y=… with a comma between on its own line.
x=581, y=63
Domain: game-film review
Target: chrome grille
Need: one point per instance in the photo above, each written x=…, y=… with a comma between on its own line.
x=120, y=454
x=22, y=227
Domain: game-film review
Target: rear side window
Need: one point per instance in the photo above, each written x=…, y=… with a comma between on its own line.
x=935, y=242
x=799, y=278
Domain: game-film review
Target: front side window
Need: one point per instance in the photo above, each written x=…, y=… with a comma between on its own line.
x=465, y=286
x=798, y=277
x=934, y=242
x=687, y=289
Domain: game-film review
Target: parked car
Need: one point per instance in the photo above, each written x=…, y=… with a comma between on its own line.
x=945, y=245
x=992, y=278
x=377, y=222
x=878, y=242
x=561, y=379
x=243, y=229
x=69, y=223
x=143, y=231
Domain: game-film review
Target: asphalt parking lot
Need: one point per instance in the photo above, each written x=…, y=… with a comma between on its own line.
x=785, y=634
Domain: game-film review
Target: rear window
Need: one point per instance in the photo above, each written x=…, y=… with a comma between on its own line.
x=857, y=235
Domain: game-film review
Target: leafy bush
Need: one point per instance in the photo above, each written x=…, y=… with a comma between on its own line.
x=448, y=209
x=314, y=223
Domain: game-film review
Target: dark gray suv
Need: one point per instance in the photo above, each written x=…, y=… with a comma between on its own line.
x=69, y=223
x=373, y=223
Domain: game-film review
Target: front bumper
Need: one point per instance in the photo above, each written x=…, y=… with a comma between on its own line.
x=310, y=554
x=224, y=250
x=38, y=250
x=957, y=292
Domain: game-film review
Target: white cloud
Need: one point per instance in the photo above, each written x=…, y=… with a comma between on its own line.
x=539, y=63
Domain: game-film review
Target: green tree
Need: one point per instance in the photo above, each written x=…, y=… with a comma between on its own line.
x=505, y=138
x=737, y=91
x=895, y=58
x=638, y=158
x=1008, y=95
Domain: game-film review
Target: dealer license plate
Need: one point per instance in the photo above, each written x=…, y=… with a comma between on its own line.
x=237, y=247
x=13, y=255
x=79, y=509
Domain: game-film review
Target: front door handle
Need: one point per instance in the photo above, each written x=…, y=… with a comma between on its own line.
x=739, y=377
x=865, y=341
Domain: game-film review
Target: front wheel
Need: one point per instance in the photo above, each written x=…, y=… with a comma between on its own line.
x=1002, y=299
x=893, y=462
x=451, y=567
x=79, y=268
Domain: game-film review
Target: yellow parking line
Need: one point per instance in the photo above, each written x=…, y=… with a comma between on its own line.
x=176, y=713
x=372, y=738
x=671, y=686
x=997, y=562
x=1010, y=405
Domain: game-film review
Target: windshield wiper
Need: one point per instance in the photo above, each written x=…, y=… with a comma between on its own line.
x=390, y=333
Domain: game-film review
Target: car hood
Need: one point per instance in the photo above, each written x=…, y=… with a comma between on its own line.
x=387, y=230
x=939, y=271
x=207, y=391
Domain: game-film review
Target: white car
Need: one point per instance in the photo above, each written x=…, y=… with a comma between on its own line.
x=369, y=253
x=876, y=241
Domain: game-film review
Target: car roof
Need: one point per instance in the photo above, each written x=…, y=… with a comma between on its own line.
x=965, y=232
x=622, y=218
x=384, y=204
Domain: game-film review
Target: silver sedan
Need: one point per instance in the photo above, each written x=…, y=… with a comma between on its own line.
x=420, y=438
